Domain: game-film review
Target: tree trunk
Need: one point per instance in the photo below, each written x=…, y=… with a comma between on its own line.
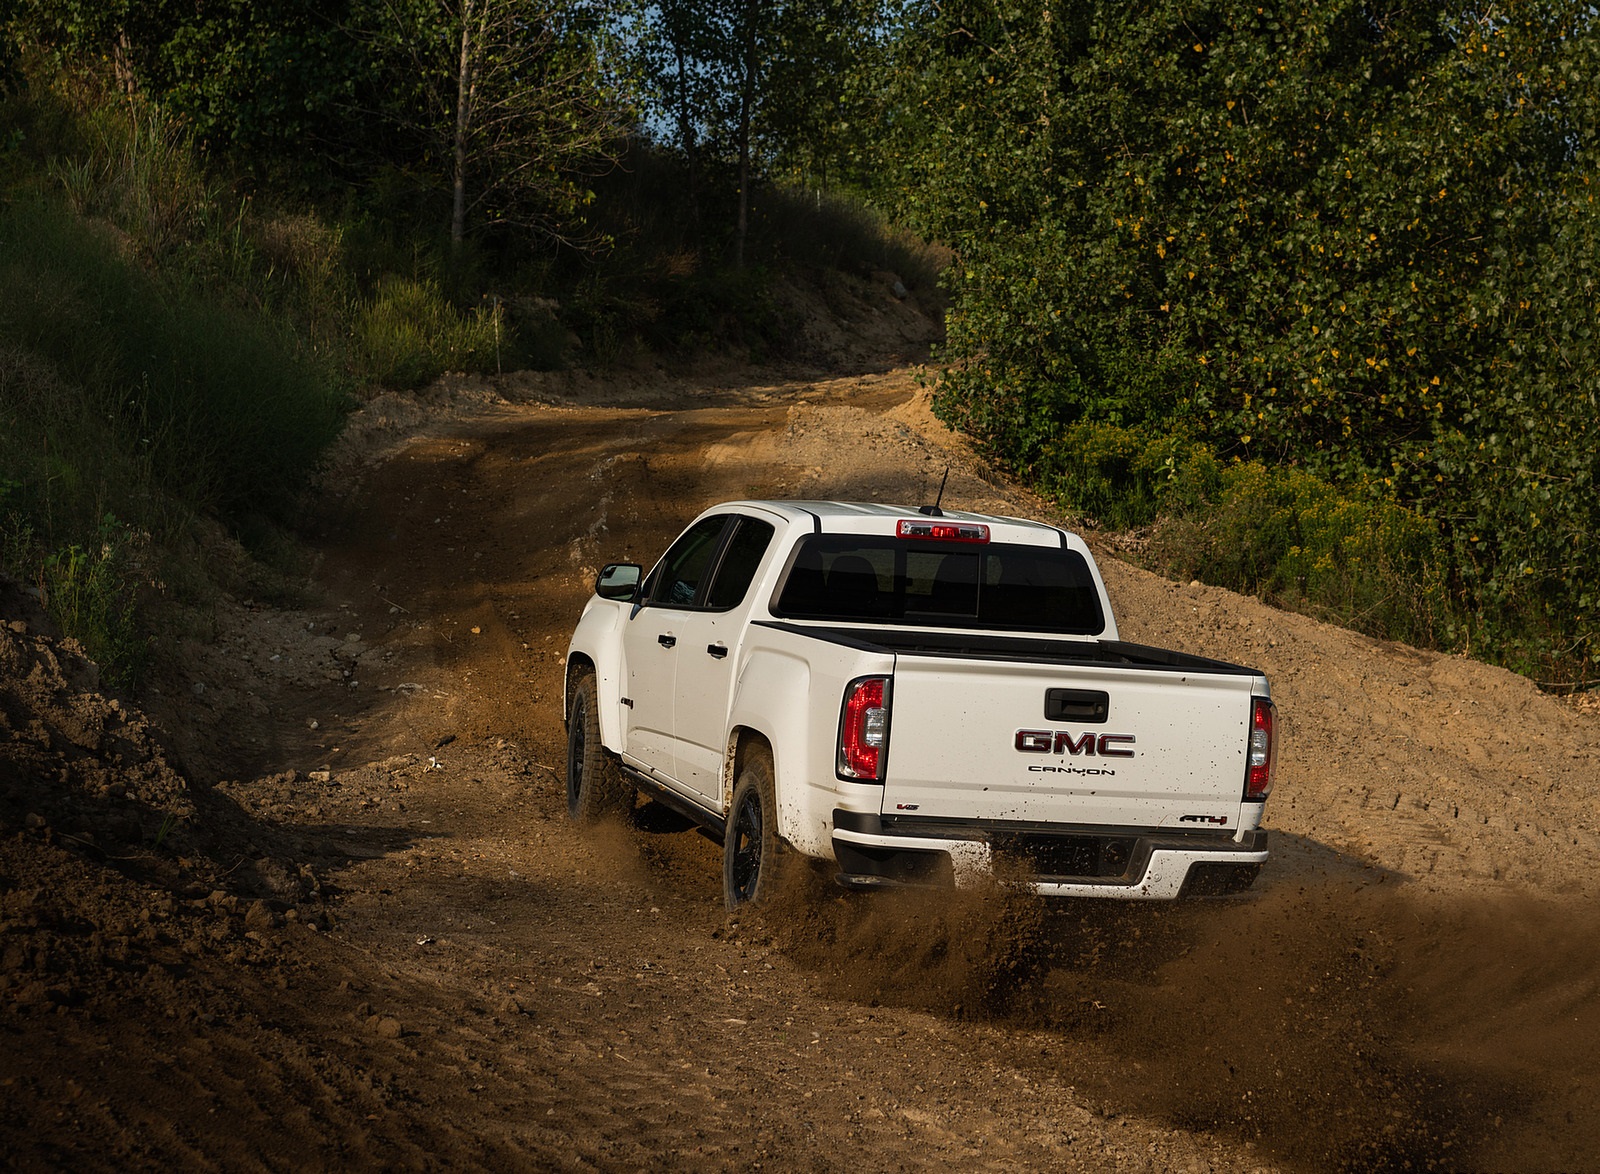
x=746, y=101
x=686, y=134
x=464, y=88
x=122, y=64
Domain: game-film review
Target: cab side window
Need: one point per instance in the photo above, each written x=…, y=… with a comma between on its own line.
x=676, y=580
x=739, y=564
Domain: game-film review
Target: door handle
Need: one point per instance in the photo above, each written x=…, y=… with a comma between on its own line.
x=717, y=650
x=666, y=640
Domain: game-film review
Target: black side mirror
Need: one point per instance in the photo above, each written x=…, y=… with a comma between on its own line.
x=618, y=581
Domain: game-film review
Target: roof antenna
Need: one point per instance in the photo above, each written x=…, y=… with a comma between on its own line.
x=933, y=511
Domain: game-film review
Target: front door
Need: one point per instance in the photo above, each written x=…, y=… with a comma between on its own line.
x=650, y=645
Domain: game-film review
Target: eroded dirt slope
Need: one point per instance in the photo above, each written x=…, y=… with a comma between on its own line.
x=369, y=935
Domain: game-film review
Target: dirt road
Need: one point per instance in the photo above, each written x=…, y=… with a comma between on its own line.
x=377, y=941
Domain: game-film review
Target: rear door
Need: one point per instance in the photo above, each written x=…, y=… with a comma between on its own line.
x=1094, y=746
x=708, y=656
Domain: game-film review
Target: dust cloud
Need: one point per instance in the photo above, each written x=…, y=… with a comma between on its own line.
x=1360, y=1027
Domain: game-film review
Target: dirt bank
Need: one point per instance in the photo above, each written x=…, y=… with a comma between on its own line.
x=314, y=899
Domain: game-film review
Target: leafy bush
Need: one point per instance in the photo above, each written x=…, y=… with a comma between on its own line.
x=1360, y=559
x=1113, y=475
x=408, y=335
x=1289, y=536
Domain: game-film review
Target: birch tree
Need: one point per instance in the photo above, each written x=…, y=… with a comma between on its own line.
x=508, y=104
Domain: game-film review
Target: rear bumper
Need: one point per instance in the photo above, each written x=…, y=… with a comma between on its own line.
x=1119, y=864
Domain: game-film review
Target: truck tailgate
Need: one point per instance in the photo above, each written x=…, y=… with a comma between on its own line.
x=970, y=741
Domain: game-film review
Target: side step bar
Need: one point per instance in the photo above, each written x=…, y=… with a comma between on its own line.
x=709, y=821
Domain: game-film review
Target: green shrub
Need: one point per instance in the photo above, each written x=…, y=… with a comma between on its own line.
x=408, y=334
x=1116, y=476
x=223, y=406
x=89, y=592
x=1358, y=559
x=1362, y=561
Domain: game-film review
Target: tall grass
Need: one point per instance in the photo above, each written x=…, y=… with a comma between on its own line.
x=407, y=335
x=213, y=405
x=144, y=380
x=135, y=170
x=76, y=508
x=824, y=230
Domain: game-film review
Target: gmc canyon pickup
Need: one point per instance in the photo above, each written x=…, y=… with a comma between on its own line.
x=917, y=697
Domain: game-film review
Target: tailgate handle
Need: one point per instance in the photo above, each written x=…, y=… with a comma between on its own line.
x=1084, y=706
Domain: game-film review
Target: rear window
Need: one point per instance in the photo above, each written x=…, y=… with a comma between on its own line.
x=958, y=585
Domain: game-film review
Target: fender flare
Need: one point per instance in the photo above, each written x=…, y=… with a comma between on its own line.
x=597, y=647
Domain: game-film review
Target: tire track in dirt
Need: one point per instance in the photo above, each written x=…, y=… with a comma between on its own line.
x=1390, y=775
x=1409, y=984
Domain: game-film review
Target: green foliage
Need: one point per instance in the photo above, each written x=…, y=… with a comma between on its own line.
x=258, y=78
x=1352, y=556
x=501, y=103
x=408, y=335
x=822, y=58
x=1360, y=241
x=224, y=407
x=140, y=382
x=88, y=592
x=773, y=84
x=1289, y=536
x=310, y=100
x=137, y=171
x=1115, y=476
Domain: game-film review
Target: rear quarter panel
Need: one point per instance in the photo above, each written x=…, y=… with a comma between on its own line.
x=789, y=691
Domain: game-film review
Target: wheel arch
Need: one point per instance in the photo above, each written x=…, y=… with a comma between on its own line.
x=788, y=791
x=596, y=647
x=608, y=694
x=743, y=741
x=578, y=665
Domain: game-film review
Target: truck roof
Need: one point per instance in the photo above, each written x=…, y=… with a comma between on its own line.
x=861, y=517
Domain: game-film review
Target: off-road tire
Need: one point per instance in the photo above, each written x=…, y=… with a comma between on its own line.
x=754, y=859
x=596, y=787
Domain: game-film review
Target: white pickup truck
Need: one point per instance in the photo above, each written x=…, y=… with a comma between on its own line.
x=918, y=697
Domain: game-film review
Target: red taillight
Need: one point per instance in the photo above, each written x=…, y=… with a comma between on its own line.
x=1258, y=774
x=864, y=729
x=943, y=531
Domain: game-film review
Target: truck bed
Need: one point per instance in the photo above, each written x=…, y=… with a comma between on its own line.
x=991, y=646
